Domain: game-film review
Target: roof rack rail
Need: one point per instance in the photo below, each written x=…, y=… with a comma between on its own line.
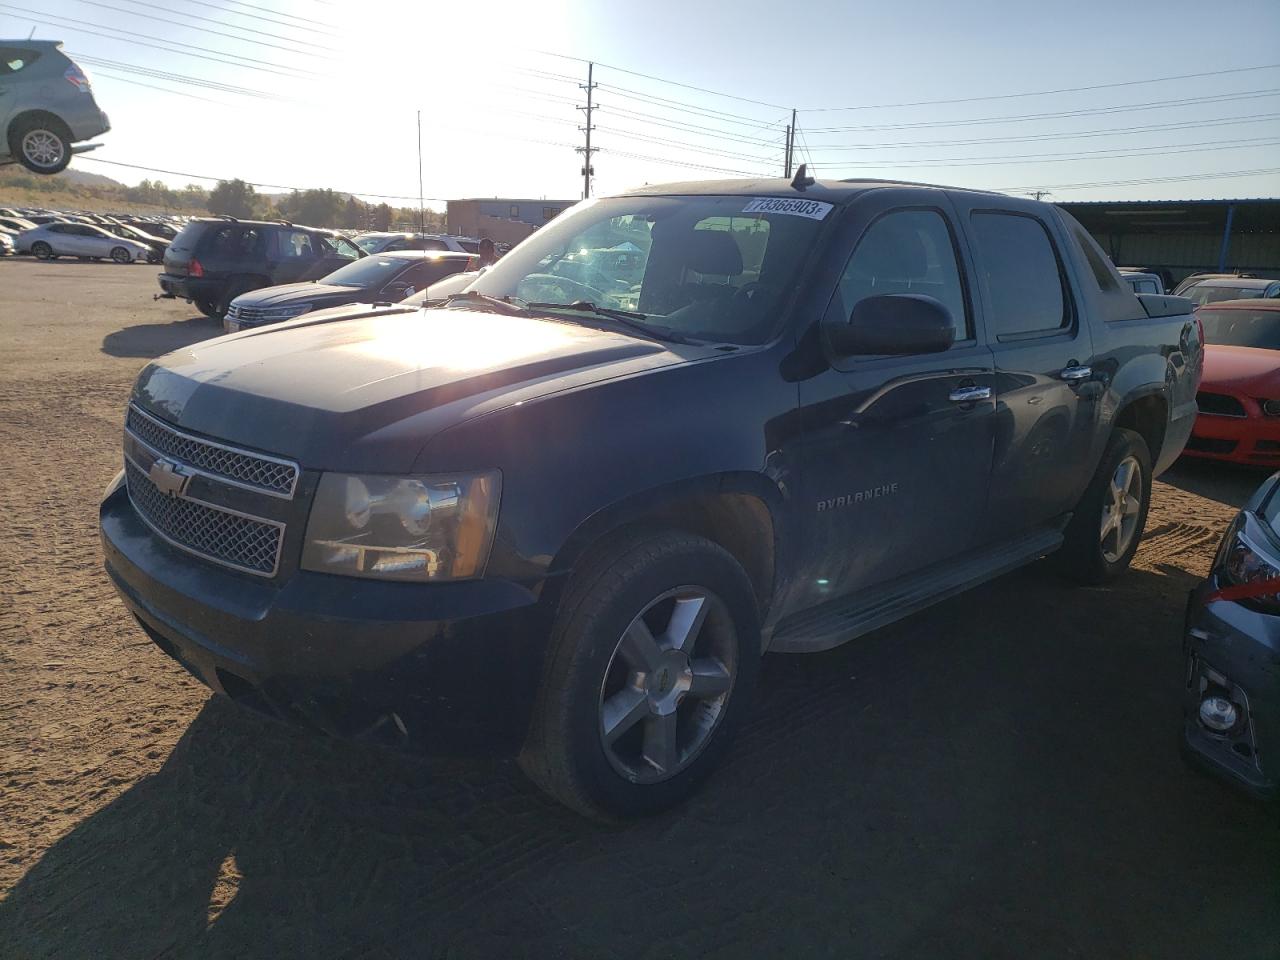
x=224, y=216
x=283, y=222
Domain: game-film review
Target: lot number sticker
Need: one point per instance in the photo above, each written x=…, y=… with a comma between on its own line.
x=813, y=209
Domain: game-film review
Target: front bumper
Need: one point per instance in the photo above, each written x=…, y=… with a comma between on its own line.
x=432, y=668
x=1253, y=438
x=1242, y=645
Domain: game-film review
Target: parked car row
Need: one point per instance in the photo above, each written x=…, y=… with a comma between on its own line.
x=48, y=235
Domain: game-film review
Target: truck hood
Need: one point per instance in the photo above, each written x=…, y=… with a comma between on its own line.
x=365, y=393
x=1251, y=370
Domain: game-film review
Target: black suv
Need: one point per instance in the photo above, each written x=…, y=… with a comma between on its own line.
x=213, y=261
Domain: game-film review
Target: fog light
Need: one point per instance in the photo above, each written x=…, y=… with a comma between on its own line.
x=1218, y=713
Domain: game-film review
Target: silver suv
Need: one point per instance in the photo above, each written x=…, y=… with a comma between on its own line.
x=45, y=106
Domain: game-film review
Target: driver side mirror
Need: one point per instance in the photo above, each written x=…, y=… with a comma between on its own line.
x=895, y=324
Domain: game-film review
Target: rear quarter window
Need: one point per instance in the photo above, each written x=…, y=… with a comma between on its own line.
x=16, y=59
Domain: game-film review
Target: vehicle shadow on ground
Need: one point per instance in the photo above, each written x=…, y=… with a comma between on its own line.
x=1229, y=483
x=153, y=339
x=996, y=777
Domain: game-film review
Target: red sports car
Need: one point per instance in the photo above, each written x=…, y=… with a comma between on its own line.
x=1239, y=394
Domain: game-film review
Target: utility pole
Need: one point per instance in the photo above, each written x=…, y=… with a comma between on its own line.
x=1039, y=194
x=420, y=191
x=791, y=146
x=588, y=170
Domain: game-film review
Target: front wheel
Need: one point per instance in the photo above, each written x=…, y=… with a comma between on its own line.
x=41, y=250
x=653, y=657
x=121, y=255
x=1107, y=525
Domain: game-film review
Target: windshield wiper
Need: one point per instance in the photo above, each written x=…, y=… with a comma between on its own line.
x=506, y=304
x=626, y=318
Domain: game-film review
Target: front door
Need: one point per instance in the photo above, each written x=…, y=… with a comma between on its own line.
x=294, y=256
x=896, y=450
x=1046, y=390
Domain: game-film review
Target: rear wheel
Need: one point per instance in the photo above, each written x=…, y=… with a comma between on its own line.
x=121, y=255
x=208, y=307
x=653, y=657
x=42, y=251
x=1107, y=525
x=42, y=144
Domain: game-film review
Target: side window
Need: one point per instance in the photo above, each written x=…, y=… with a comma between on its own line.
x=1024, y=278
x=346, y=248
x=1102, y=271
x=295, y=245
x=906, y=251
x=427, y=243
x=398, y=244
x=13, y=59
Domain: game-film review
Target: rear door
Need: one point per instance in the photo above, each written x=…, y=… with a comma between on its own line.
x=1046, y=389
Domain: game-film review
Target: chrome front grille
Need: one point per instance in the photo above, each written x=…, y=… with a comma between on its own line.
x=240, y=467
x=235, y=540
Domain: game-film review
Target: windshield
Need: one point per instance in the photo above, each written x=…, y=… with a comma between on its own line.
x=711, y=268
x=367, y=273
x=1203, y=293
x=1242, y=328
x=369, y=244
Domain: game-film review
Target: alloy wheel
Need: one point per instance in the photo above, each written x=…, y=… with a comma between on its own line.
x=43, y=148
x=1121, y=509
x=667, y=684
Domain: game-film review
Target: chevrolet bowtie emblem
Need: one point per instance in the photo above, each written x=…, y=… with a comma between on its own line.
x=169, y=478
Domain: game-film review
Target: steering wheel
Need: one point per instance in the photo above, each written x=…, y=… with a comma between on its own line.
x=568, y=290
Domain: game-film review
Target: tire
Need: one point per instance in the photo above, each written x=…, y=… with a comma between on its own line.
x=616, y=603
x=42, y=251
x=121, y=255
x=1090, y=554
x=208, y=307
x=233, y=290
x=41, y=143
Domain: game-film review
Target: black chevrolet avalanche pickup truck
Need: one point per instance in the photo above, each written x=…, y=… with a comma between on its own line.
x=562, y=514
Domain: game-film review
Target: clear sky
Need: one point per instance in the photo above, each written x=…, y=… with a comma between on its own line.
x=313, y=93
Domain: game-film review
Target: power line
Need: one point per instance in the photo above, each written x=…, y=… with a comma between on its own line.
x=674, y=83
x=281, y=13
x=683, y=163
x=1083, y=134
x=683, y=106
x=1127, y=108
x=1167, y=149
x=1044, y=93
x=1226, y=174
x=684, y=144
x=222, y=23
x=217, y=33
x=249, y=64
x=180, y=78
x=152, y=86
x=207, y=4
x=681, y=127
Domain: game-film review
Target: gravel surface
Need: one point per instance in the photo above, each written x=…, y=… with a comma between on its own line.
x=996, y=777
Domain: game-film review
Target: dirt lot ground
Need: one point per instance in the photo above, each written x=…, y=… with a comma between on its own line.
x=997, y=777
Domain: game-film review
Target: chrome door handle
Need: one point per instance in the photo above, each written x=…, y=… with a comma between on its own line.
x=970, y=394
x=1074, y=374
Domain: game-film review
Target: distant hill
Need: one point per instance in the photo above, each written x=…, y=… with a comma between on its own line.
x=80, y=178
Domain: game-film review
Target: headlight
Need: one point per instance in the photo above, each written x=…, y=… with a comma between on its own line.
x=403, y=528
x=1241, y=561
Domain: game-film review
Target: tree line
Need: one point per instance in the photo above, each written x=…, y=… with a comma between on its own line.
x=236, y=198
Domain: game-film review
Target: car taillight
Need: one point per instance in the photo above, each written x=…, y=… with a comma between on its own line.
x=194, y=269
x=76, y=77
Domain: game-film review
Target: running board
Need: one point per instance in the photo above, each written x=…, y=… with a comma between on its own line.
x=847, y=618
